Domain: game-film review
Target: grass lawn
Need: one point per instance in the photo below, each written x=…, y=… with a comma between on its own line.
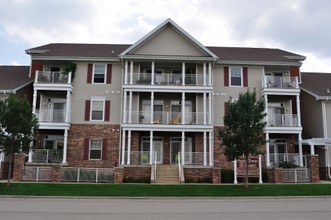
x=148, y=190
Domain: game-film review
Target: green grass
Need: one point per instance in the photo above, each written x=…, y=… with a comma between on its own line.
x=148, y=190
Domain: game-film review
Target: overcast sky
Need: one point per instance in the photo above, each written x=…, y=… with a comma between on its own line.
x=298, y=26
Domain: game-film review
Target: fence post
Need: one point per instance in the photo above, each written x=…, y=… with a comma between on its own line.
x=235, y=171
x=96, y=175
x=260, y=169
x=78, y=172
x=37, y=174
x=295, y=176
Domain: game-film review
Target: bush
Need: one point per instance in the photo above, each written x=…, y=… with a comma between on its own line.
x=145, y=179
x=287, y=165
x=206, y=179
x=227, y=176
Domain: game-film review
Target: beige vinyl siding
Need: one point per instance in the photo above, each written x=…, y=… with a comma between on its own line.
x=84, y=91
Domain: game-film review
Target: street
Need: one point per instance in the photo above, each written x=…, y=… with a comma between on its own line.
x=164, y=208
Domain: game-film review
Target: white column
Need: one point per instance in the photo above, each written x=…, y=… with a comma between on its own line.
x=131, y=72
x=69, y=77
x=65, y=146
x=298, y=111
x=126, y=73
x=183, y=148
x=129, y=147
x=204, y=108
x=152, y=107
x=211, y=150
x=183, y=73
x=68, y=107
x=34, y=104
x=204, y=74
x=210, y=96
x=123, y=146
x=204, y=148
x=130, y=107
x=124, y=106
x=153, y=71
x=300, y=149
x=266, y=108
x=151, y=150
x=183, y=108
x=267, y=150
x=209, y=74
x=312, y=149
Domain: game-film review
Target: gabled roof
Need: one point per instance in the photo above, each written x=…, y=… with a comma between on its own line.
x=79, y=51
x=316, y=84
x=13, y=78
x=158, y=29
x=244, y=54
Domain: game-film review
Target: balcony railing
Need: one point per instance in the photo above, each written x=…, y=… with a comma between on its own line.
x=283, y=120
x=47, y=156
x=143, y=157
x=166, y=118
x=169, y=79
x=49, y=115
x=52, y=77
x=278, y=82
x=277, y=158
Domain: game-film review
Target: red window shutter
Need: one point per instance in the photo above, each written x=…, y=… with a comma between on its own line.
x=109, y=75
x=107, y=110
x=104, y=148
x=87, y=110
x=226, y=76
x=226, y=107
x=89, y=73
x=86, y=148
x=245, y=76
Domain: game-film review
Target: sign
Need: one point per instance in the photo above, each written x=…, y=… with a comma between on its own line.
x=253, y=166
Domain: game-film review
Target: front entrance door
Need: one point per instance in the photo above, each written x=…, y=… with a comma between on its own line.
x=157, y=149
x=176, y=148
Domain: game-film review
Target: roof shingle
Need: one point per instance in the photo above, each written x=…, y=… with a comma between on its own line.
x=12, y=77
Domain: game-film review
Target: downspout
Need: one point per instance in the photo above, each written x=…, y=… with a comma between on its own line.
x=325, y=131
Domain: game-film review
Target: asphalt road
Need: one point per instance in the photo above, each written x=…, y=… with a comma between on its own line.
x=168, y=208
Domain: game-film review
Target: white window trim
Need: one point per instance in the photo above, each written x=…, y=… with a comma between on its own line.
x=103, y=99
x=241, y=76
x=89, y=152
x=105, y=74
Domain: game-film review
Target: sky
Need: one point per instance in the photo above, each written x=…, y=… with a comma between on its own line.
x=299, y=26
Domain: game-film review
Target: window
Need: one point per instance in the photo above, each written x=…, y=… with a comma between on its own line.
x=99, y=73
x=95, y=149
x=235, y=76
x=97, y=109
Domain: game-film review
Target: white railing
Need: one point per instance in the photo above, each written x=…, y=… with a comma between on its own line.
x=137, y=157
x=279, y=82
x=47, y=156
x=167, y=118
x=299, y=175
x=50, y=115
x=277, y=158
x=37, y=174
x=168, y=79
x=196, y=158
x=52, y=77
x=95, y=175
x=283, y=120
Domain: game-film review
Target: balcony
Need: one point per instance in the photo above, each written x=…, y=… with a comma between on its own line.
x=47, y=156
x=166, y=118
x=168, y=79
x=283, y=120
x=52, y=77
x=50, y=115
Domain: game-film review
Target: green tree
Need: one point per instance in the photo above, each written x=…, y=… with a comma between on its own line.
x=243, y=125
x=17, y=126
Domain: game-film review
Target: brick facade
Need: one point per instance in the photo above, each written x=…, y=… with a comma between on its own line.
x=19, y=160
x=79, y=132
x=313, y=165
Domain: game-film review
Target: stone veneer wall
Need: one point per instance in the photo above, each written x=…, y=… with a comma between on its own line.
x=76, y=137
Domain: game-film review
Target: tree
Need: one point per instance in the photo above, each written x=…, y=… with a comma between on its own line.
x=243, y=124
x=17, y=126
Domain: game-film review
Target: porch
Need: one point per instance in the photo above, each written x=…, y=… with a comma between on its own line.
x=279, y=82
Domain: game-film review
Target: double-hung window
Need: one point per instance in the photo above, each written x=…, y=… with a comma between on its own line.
x=236, y=76
x=97, y=109
x=99, y=73
x=95, y=151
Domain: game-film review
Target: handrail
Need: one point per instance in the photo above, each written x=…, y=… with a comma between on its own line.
x=180, y=169
x=155, y=166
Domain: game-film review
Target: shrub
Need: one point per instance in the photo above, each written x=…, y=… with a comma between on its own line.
x=145, y=179
x=287, y=165
x=227, y=176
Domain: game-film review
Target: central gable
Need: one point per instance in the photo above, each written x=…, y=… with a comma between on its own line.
x=168, y=39
x=168, y=42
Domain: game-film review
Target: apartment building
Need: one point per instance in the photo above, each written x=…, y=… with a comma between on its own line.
x=159, y=101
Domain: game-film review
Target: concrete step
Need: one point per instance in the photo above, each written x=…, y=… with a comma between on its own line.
x=167, y=174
